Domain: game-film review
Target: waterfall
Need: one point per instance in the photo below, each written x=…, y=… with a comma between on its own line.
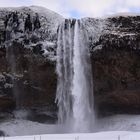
x=74, y=86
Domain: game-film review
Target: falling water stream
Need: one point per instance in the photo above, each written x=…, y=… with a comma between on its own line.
x=75, y=88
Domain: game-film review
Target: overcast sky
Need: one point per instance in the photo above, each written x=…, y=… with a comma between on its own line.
x=80, y=8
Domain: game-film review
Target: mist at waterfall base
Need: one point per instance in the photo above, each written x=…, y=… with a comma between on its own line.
x=75, y=88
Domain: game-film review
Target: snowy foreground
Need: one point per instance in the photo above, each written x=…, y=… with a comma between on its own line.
x=119, y=127
x=112, y=135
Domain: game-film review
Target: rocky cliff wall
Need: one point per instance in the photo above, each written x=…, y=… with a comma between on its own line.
x=28, y=41
x=116, y=66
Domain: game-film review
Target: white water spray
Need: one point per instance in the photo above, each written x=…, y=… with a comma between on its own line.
x=75, y=89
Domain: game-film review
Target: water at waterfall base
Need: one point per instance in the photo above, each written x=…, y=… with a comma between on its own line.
x=20, y=127
x=74, y=86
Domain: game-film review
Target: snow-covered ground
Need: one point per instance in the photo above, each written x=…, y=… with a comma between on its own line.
x=109, y=128
x=119, y=123
x=112, y=135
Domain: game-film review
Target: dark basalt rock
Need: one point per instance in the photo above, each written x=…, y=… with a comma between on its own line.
x=7, y=104
x=116, y=67
x=33, y=79
x=27, y=77
x=2, y=133
x=42, y=117
x=120, y=102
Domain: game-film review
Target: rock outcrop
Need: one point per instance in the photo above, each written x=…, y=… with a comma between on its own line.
x=28, y=37
x=116, y=68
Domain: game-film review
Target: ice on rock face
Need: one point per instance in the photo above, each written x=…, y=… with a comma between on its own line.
x=2, y=78
x=29, y=26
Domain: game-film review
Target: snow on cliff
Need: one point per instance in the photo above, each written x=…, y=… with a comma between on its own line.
x=47, y=17
x=33, y=27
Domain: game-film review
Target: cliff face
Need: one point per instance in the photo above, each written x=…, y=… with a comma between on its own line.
x=28, y=41
x=116, y=68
